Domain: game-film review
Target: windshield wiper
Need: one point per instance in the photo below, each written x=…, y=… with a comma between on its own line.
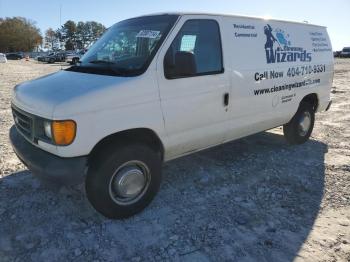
x=118, y=70
x=109, y=69
x=101, y=62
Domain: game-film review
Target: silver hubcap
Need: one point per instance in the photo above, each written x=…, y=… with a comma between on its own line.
x=304, y=123
x=129, y=182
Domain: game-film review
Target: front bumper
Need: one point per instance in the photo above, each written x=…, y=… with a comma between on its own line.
x=49, y=167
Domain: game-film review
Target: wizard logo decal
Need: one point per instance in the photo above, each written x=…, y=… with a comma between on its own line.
x=278, y=48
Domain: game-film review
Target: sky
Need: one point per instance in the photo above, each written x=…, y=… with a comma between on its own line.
x=46, y=13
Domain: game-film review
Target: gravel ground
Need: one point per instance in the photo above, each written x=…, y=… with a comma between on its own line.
x=255, y=199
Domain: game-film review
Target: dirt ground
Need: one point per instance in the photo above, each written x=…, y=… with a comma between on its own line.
x=255, y=199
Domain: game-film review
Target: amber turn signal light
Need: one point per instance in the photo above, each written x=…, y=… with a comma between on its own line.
x=63, y=132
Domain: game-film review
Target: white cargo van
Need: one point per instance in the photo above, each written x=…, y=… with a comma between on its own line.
x=157, y=87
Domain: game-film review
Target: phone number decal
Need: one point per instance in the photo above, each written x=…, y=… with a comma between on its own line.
x=306, y=70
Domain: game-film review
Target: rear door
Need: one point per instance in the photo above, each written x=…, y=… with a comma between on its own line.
x=194, y=95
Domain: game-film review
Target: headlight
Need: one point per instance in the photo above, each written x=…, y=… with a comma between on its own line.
x=47, y=129
x=61, y=132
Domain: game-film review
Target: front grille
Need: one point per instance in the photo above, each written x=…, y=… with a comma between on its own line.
x=23, y=122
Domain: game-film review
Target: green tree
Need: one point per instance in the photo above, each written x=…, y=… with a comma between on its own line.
x=83, y=34
x=51, y=38
x=88, y=32
x=79, y=35
x=97, y=29
x=68, y=34
x=18, y=34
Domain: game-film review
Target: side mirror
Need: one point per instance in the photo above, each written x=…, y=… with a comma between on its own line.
x=182, y=65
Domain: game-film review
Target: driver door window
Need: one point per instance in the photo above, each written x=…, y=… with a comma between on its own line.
x=195, y=51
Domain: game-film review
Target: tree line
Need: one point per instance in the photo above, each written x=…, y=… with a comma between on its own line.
x=21, y=34
x=18, y=34
x=74, y=35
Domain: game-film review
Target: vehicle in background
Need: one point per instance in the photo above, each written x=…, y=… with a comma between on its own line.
x=40, y=58
x=46, y=58
x=14, y=56
x=73, y=57
x=336, y=53
x=345, y=52
x=3, y=58
x=70, y=56
x=54, y=57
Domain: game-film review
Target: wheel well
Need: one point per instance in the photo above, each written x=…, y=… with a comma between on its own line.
x=312, y=100
x=138, y=135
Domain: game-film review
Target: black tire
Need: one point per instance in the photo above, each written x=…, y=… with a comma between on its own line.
x=293, y=130
x=102, y=170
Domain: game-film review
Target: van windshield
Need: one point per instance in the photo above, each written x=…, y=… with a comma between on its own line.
x=128, y=47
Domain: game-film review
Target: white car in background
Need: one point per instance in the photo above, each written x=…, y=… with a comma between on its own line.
x=3, y=58
x=73, y=57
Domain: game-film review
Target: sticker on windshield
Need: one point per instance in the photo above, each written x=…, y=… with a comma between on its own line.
x=148, y=34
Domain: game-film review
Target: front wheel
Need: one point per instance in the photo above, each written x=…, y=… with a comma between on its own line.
x=122, y=182
x=300, y=127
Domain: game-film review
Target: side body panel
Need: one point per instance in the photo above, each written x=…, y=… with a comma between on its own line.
x=270, y=67
x=273, y=65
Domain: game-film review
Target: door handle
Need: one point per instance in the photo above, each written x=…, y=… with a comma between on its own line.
x=226, y=99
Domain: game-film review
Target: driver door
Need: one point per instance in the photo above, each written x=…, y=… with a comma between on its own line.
x=194, y=89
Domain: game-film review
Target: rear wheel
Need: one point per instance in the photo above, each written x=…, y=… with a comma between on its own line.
x=122, y=182
x=300, y=127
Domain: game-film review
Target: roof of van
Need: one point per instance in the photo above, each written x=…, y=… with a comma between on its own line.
x=232, y=15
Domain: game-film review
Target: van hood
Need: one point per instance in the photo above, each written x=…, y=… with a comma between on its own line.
x=66, y=93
